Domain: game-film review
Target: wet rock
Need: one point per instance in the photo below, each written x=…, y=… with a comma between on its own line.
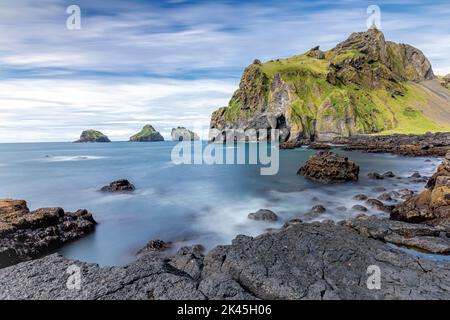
x=430, y=144
x=416, y=236
x=318, y=209
x=341, y=208
x=388, y=174
x=360, y=197
x=378, y=189
x=327, y=167
x=385, y=197
x=359, y=208
x=415, y=175
x=263, y=215
x=122, y=185
x=189, y=260
x=432, y=205
x=290, y=145
x=378, y=205
x=375, y=175
x=319, y=146
x=155, y=246
x=26, y=235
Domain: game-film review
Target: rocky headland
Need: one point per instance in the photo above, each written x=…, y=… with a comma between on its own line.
x=147, y=134
x=364, y=85
x=92, y=136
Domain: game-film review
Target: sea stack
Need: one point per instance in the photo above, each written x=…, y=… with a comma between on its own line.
x=147, y=134
x=92, y=136
x=183, y=134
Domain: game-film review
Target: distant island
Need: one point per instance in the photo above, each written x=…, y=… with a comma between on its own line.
x=183, y=134
x=147, y=134
x=92, y=136
x=364, y=85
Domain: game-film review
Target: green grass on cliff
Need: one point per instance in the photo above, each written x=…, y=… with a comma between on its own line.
x=376, y=111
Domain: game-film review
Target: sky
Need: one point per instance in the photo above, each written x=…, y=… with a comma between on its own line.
x=169, y=63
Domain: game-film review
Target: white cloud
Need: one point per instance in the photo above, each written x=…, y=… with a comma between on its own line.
x=58, y=110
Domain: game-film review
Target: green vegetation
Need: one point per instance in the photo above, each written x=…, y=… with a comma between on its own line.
x=92, y=134
x=146, y=131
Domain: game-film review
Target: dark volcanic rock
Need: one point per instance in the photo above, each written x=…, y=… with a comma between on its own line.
x=263, y=214
x=388, y=174
x=122, y=185
x=378, y=205
x=360, y=197
x=26, y=235
x=154, y=246
x=318, y=209
x=432, y=205
x=423, y=237
x=319, y=146
x=302, y=261
x=430, y=144
x=374, y=175
x=327, y=167
x=359, y=208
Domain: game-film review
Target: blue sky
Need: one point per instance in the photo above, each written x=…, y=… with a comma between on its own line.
x=169, y=63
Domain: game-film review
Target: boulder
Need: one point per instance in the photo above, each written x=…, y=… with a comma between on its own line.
x=327, y=167
x=121, y=185
x=26, y=235
x=92, y=136
x=264, y=215
x=432, y=205
x=147, y=134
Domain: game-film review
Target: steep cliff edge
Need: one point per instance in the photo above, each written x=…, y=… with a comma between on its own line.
x=364, y=85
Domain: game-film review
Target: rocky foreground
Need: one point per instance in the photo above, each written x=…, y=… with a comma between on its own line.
x=300, y=261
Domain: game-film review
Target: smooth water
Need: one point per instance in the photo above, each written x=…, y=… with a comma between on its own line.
x=185, y=204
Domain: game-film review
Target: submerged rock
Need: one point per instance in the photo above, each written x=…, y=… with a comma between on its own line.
x=92, y=136
x=26, y=235
x=327, y=167
x=263, y=214
x=121, y=185
x=147, y=134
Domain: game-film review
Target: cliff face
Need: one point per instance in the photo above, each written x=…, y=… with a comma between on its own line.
x=363, y=85
x=183, y=134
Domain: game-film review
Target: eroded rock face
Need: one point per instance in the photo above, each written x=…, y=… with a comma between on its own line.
x=122, y=185
x=26, y=235
x=432, y=205
x=327, y=167
x=301, y=261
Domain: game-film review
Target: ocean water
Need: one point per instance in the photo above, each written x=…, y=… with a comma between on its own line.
x=184, y=204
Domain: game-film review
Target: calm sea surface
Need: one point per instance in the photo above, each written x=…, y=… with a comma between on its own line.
x=185, y=204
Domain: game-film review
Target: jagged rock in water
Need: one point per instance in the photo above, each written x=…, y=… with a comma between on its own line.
x=432, y=205
x=122, y=185
x=92, y=136
x=183, y=134
x=26, y=235
x=147, y=134
x=430, y=144
x=264, y=215
x=327, y=167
